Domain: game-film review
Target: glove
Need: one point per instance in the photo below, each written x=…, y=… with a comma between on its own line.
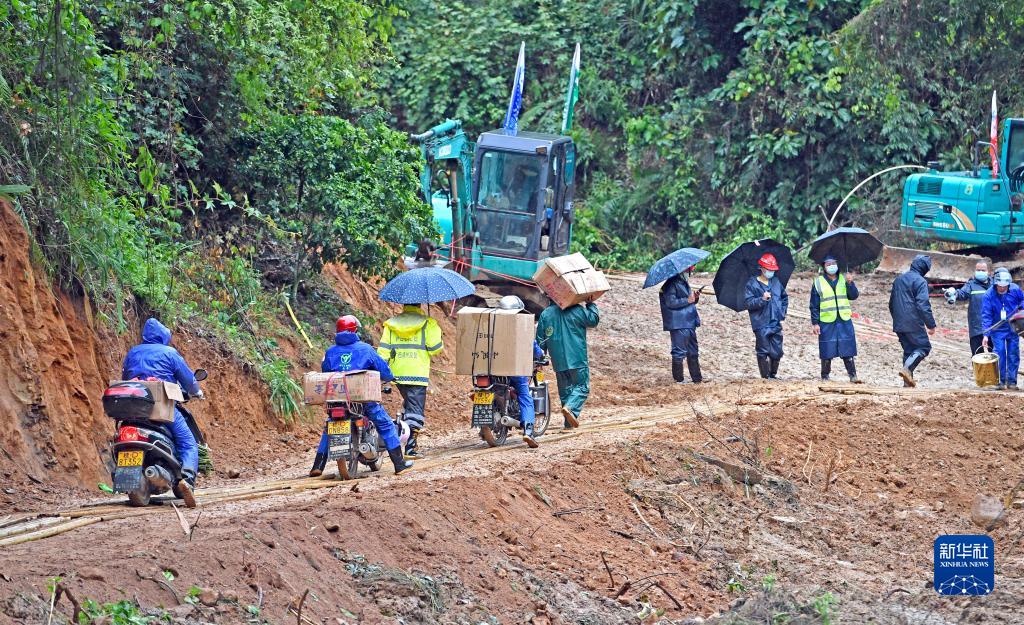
x=200, y=395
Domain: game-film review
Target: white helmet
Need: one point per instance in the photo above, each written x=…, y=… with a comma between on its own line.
x=511, y=302
x=1002, y=277
x=403, y=431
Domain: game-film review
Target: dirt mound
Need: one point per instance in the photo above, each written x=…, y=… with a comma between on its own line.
x=54, y=364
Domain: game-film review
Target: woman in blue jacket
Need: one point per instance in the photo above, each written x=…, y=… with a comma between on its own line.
x=680, y=319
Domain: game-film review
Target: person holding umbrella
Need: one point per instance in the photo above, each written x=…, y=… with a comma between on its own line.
x=412, y=339
x=679, y=308
x=912, y=318
x=679, y=317
x=767, y=303
x=831, y=318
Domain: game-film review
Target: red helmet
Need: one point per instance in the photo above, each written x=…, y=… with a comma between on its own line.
x=348, y=323
x=768, y=262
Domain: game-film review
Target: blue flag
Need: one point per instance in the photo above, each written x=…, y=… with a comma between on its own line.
x=515, y=103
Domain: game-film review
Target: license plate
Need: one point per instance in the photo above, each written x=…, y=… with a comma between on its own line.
x=129, y=458
x=127, y=479
x=540, y=376
x=338, y=446
x=338, y=427
x=483, y=398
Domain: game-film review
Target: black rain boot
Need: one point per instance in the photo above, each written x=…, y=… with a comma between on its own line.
x=412, y=447
x=851, y=370
x=826, y=369
x=528, y=436
x=764, y=366
x=397, y=460
x=693, y=362
x=318, y=465
x=773, y=371
x=677, y=371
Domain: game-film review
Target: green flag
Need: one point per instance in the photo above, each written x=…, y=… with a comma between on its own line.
x=572, y=92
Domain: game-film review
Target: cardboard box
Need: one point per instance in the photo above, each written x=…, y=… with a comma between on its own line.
x=164, y=396
x=319, y=388
x=570, y=280
x=494, y=341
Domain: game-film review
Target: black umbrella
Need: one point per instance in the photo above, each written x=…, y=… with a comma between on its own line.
x=741, y=265
x=852, y=247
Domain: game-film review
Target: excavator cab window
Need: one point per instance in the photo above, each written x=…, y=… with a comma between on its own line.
x=1015, y=156
x=509, y=197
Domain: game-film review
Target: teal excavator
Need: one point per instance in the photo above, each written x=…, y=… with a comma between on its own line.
x=502, y=204
x=978, y=211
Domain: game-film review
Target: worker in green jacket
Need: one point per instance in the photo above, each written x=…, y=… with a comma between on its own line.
x=563, y=334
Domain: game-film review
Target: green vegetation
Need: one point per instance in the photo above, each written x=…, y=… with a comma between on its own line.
x=119, y=613
x=697, y=116
x=187, y=159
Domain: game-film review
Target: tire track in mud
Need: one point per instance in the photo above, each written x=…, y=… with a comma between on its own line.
x=28, y=527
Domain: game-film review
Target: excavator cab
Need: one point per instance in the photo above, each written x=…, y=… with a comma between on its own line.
x=522, y=202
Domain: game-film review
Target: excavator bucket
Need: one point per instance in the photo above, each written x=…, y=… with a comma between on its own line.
x=945, y=266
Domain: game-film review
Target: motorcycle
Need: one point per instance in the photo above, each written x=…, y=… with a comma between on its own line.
x=145, y=463
x=352, y=438
x=496, y=405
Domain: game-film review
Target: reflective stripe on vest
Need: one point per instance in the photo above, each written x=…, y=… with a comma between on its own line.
x=832, y=303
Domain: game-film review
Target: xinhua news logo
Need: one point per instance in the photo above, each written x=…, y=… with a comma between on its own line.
x=964, y=565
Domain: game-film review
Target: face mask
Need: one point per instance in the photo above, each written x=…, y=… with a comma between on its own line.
x=831, y=269
x=981, y=276
x=769, y=274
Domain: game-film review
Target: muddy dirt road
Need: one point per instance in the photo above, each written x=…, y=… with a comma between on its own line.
x=737, y=501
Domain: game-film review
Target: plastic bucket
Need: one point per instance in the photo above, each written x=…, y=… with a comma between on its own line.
x=986, y=369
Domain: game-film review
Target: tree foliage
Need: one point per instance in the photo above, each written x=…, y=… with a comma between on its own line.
x=695, y=115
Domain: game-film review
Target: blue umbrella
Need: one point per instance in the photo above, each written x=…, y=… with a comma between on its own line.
x=426, y=285
x=676, y=262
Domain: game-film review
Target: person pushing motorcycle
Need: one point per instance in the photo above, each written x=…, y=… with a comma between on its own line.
x=351, y=354
x=155, y=358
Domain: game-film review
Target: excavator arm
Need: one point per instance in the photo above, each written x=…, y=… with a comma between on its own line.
x=448, y=155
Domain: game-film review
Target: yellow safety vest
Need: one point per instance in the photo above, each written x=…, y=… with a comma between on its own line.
x=408, y=343
x=833, y=303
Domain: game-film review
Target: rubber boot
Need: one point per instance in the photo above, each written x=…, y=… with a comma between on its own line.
x=693, y=363
x=412, y=447
x=773, y=372
x=907, y=373
x=399, y=461
x=318, y=465
x=763, y=366
x=851, y=370
x=528, y=436
x=677, y=371
x=826, y=369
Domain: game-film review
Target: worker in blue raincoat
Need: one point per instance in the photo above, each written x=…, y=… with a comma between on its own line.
x=351, y=354
x=767, y=304
x=680, y=319
x=1002, y=300
x=912, y=318
x=974, y=292
x=832, y=318
x=155, y=358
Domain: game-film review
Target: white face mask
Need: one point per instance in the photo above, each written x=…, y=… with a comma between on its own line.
x=831, y=269
x=769, y=274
